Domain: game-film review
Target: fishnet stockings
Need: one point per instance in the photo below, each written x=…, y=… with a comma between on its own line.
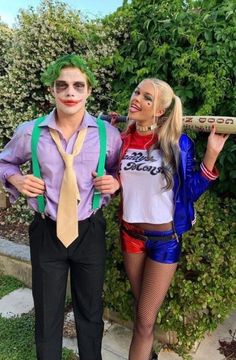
x=149, y=281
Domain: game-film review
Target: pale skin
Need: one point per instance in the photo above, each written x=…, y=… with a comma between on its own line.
x=70, y=92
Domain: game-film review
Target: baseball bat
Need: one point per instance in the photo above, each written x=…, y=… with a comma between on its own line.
x=224, y=124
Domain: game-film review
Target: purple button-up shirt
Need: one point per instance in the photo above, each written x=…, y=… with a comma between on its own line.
x=18, y=151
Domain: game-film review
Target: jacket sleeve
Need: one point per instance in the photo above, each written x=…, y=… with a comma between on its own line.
x=197, y=180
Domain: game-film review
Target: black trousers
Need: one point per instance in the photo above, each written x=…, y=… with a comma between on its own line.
x=51, y=261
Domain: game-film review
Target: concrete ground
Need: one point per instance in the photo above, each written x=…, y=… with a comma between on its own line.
x=116, y=338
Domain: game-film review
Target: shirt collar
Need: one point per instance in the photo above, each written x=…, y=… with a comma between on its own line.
x=50, y=121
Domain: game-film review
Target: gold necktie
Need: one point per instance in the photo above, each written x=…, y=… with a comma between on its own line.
x=67, y=221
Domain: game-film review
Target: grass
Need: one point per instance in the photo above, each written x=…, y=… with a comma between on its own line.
x=8, y=284
x=17, y=339
x=17, y=334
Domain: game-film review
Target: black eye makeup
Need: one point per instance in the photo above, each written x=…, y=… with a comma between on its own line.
x=60, y=86
x=79, y=84
x=148, y=97
x=63, y=85
x=79, y=87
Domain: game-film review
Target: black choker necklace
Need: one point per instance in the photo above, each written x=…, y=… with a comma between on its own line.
x=146, y=128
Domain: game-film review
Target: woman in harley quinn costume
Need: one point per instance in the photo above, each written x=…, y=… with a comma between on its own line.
x=159, y=185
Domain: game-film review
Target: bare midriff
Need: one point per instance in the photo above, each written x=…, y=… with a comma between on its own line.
x=157, y=227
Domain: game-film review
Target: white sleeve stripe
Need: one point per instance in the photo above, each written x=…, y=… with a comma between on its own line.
x=209, y=174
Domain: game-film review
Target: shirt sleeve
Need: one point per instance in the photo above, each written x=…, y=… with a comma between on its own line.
x=13, y=155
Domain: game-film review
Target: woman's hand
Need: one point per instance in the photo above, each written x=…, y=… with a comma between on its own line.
x=106, y=184
x=114, y=117
x=216, y=141
x=215, y=144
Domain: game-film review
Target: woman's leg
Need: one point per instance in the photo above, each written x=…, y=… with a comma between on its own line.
x=156, y=279
x=134, y=265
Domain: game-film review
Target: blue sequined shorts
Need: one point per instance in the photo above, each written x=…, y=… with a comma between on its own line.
x=161, y=246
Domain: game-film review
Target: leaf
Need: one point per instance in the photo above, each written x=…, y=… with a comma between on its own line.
x=232, y=174
x=142, y=47
x=208, y=35
x=147, y=23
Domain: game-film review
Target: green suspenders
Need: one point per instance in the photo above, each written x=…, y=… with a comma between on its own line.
x=101, y=162
x=35, y=164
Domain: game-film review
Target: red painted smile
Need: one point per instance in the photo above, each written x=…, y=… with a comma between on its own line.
x=70, y=102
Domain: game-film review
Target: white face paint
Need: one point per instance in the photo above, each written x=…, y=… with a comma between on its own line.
x=71, y=91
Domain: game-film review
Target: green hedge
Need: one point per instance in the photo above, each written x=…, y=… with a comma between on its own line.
x=203, y=291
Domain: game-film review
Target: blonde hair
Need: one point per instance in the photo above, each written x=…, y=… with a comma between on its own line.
x=170, y=129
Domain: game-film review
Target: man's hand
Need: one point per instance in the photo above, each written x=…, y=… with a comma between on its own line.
x=28, y=185
x=106, y=184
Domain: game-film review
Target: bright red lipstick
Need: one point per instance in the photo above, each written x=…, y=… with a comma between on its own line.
x=70, y=102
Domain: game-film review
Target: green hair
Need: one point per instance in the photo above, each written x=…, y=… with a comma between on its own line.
x=52, y=73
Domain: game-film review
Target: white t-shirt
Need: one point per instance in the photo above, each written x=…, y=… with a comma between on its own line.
x=144, y=199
